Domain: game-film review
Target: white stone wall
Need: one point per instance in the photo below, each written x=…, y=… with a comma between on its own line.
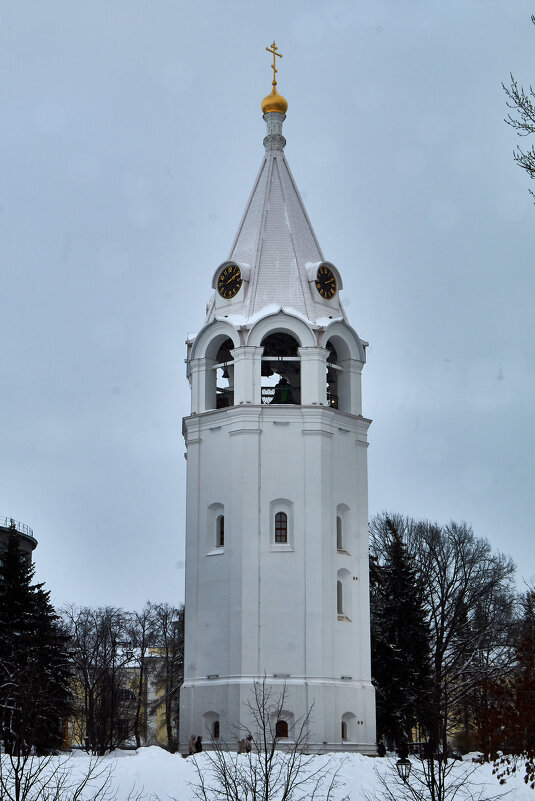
x=255, y=607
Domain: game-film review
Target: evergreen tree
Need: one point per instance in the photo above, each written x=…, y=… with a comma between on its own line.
x=521, y=723
x=400, y=642
x=514, y=698
x=34, y=662
x=467, y=591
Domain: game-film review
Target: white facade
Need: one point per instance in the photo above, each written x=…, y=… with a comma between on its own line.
x=276, y=531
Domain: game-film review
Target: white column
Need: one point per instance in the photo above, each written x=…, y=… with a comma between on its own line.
x=349, y=386
x=247, y=374
x=203, y=382
x=313, y=376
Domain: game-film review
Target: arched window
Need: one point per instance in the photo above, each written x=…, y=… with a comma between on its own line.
x=281, y=728
x=343, y=528
x=339, y=598
x=281, y=527
x=344, y=730
x=343, y=594
x=339, y=537
x=281, y=374
x=220, y=531
x=211, y=724
x=215, y=528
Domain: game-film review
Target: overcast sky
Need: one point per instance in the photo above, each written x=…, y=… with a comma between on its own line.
x=131, y=137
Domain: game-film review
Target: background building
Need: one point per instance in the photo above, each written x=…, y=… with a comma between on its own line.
x=27, y=541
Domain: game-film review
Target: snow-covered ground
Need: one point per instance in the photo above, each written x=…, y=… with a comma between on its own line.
x=152, y=773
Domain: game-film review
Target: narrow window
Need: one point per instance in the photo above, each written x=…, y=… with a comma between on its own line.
x=339, y=598
x=281, y=729
x=344, y=730
x=281, y=527
x=220, y=531
x=215, y=730
x=339, y=540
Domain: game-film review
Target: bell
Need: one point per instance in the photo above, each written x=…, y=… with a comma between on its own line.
x=266, y=370
x=225, y=371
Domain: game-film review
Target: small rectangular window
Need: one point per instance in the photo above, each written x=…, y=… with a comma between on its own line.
x=281, y=527
x=220, y=535
x=339, y=598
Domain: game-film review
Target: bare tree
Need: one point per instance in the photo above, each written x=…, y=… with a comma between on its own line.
x=270, y=770
x=106, y=689
x=25, y=777
x=522, y=119
x=432, y=779
x=140, y=633
x=167, y=665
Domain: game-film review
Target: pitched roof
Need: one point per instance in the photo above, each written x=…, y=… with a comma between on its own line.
x=277, y=242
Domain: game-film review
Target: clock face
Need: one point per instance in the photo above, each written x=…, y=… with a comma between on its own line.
x=326, y=282
x=229, y=282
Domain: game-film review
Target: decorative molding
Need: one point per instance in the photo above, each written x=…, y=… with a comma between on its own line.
x=236, y=431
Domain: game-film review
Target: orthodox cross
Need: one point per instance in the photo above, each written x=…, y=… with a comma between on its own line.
x=273, y=49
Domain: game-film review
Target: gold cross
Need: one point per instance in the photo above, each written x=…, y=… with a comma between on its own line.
x=273, y=49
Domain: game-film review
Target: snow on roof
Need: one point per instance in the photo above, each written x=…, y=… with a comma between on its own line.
x=276, y=240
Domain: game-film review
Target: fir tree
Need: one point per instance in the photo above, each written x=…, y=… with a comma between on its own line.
x=521, y=729
x=34, y=665
x=400, y=643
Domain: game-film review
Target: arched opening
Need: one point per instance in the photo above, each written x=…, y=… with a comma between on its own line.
x=339, y=534
x=220, y=532
x=281, y=527
x=211, y=724
x=343, y=529
x=215, y=527
x=345, y=356
x=281, y=728
x=339, y=598
x=224, y=370
x=343, y=594
x=281, y=373
x=349, y=723
x=332, y=372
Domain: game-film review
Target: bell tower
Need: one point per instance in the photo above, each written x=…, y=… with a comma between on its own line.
x=276, y=521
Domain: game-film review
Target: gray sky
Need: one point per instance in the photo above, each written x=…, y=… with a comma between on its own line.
x=131, y=137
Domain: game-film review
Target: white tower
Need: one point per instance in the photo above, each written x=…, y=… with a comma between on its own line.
x=276, y=531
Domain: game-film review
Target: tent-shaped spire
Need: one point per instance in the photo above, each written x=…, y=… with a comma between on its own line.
x=275, y=244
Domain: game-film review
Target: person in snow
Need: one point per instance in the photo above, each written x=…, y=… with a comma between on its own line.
x=248, y=743
x=241, y=746
x=198, y=744
x=191, y=745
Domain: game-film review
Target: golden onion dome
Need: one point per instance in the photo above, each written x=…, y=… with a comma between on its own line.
x=274, y=102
